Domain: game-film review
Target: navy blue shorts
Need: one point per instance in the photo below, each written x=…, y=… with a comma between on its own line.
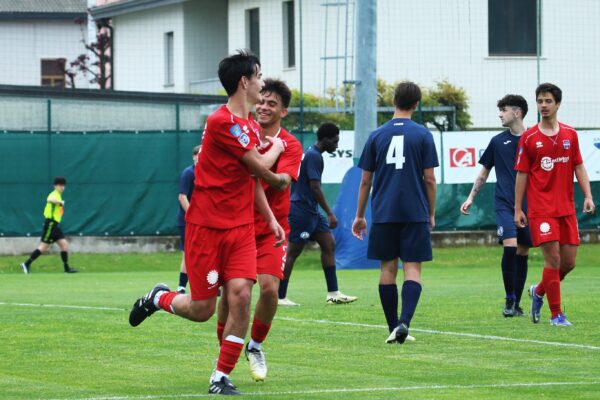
x=181, y=237
x=505, y=220
x=304, y=225
x=408, y=241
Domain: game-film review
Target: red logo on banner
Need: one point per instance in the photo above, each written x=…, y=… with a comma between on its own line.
x=462, y=157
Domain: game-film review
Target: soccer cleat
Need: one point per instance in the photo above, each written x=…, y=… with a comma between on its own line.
x=340, y=298
x=398, y=335
x=224, y=386
x=509, y=308
x=25, y=268
x=536, y=304
x=560, y=320
x=144, y=306
x=258, y=364
x=71, y=270
x=518, y=311
x=286, y=302
x=180, y=290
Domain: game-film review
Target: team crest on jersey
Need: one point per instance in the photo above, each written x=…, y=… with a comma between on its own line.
x=244, y=140
x=236, y=130
x=539, y=144
x=566, y=144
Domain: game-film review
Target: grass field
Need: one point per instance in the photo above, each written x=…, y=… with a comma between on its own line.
x=464, y=349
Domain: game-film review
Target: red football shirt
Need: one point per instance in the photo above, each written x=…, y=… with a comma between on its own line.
x=279, y=200
x=223, y=195
x=550, y=162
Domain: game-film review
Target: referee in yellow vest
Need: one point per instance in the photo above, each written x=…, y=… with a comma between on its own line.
x=51, y=232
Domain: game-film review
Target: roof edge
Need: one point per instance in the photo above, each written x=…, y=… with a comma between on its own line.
x=128, y=6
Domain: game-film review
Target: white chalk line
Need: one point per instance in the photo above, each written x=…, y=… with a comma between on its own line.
x=327, y=322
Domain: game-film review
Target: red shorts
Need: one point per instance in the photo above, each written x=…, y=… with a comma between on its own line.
x=215, y=256
x=564, y=230
x=270, y=260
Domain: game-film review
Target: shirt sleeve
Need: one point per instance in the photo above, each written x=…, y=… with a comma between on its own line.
x=186, y=181
x=523, y=162
x=52, y=196
x=577, y=159
x=430, y=158
x=368, y=157
x=290, y=159
x=487, y=158
x=314, y=166
x=231, y=137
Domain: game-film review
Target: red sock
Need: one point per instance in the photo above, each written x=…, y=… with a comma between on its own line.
x=165, y=301
x=259, y=331
x=539, y=290
x=228, y=356
x=551, y=279
x=220, y=329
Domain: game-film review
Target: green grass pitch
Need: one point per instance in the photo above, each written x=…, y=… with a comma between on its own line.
x=464, y=348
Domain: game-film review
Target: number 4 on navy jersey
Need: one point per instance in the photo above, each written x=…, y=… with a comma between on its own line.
x=395, y=153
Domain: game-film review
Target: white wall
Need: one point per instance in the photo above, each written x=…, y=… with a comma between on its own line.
x=139, y=59
x=23, y=44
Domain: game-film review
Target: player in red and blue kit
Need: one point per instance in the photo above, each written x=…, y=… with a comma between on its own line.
x=547, y=158
x=220, y=248
x=501, y=153
x=398, y=161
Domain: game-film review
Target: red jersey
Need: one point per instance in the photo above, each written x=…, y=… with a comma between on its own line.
x=223, y=194
x=550, y=162
x=279, y=200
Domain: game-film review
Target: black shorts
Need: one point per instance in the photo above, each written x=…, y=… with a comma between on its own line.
x=408, y=241
x=51, y=232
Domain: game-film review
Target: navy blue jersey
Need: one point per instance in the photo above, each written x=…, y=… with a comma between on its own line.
x=186, y=186
x=398, y=152
x=501, y=154
x=311, y=169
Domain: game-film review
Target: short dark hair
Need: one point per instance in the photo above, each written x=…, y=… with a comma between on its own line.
x=514, y=100
x=232, y=68
x=549, y=88
x=196, y=149
x=60, y=180
x=406, y=95
x=279, y=88
x=327, y=130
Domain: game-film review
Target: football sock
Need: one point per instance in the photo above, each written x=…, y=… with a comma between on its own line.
x=183, y=279
x=388, y=294
x=165, y=299
x=551, y=279
x=220, y=329
x=258, y=333
x=540, y=288
x=411, y=292
x=283, y=286
x=230, y=352
x=520, y=276
x=65, y=259
x=331, y=279
x=508, y=271
x=35, y=254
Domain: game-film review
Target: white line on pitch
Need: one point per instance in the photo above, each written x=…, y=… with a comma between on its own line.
x=327, y=322
x=351, y=390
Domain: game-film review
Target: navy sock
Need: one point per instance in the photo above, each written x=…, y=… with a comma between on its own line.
x=388, y=294
x=520, y=276
x=35, y=254
x=508, y=271
x=411, y=292
x=65, y=259
x=283, y=286
x=183, y=279
x=331, y=279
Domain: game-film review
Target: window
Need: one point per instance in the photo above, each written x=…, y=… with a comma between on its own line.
x=289, y=37
x=512, y=27
x=253, y=31
x=53, y=72
x=169, y=59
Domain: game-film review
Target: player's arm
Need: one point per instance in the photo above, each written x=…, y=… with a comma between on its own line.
x=430, y=191
x=520, y=186
x=584, y=183
x=55, y=200
x=283, y=182
x=183, y=200
x=262, y=206
x=315, y=188
x=360, y=223
x=479, y=182
x=259, y=168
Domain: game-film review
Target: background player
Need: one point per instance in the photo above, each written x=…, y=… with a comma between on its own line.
x=270, y=259
x=51, y=232
x=398, y=161
x=186, y=188
x=306, y=222
x=501, y=153
x=547, y=158
x=219, y=249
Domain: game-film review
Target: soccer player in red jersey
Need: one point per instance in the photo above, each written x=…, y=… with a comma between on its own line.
x=270, y=259
x=547, y=158
x=220, y=248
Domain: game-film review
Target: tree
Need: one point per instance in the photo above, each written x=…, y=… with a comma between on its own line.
x=96, y=72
